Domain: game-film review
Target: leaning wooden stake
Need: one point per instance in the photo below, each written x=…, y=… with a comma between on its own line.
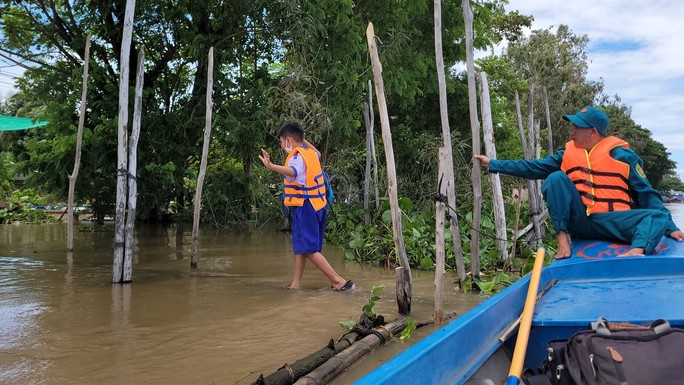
x=203, y=164
x=122, y=156
x=475, y=133
x=494, y=178
x=77, y=160
x=446, y=137
x=403, y=273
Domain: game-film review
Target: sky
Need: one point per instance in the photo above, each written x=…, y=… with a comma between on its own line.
x=636, y=48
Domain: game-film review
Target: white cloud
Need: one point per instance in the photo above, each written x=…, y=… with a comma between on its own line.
x=635, y=48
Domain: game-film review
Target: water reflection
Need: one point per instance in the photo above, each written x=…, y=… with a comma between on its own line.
x=62, y=321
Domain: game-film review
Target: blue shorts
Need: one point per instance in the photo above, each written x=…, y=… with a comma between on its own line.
x=308, y=228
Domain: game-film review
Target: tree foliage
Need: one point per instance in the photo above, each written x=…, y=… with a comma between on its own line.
x=286, y=59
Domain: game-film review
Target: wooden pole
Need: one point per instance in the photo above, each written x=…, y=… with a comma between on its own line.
x=525, y=147
x=446, y=137
x=79, y=138
x=516, y=223
x=404, y=284
x=532, y=194
x=530, y=121
x=548, y=121
x=122, y=156
x=440, y=209
x=203, y=164
x=374, y=158
x=133, y=166
x=494, y=178
x=367, y=174
x=475, y=133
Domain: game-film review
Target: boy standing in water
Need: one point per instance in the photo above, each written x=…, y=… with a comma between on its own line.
x=305, y=195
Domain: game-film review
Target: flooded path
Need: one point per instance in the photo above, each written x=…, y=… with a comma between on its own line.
x=63, y=322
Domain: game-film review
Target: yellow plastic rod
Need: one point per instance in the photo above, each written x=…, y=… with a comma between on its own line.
x=526, y=322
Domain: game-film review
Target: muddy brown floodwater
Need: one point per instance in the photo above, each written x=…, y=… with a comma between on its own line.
x=63, y=322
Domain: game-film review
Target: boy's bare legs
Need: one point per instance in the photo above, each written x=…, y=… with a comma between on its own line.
x=564, y=249
x=323, y=265
x=300, y=263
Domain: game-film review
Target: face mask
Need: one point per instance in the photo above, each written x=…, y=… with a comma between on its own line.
x=288, y=149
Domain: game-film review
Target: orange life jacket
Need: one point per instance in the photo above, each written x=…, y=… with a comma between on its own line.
x=601, y=180
x=314, y=190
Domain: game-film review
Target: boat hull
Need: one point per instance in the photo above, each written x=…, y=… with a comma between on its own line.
x=594, y=282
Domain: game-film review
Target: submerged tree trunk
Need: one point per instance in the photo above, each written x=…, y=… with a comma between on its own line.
x=77, y=160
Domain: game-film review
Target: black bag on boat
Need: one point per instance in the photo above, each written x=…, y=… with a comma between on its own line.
x=554, y=367
x=553, y=371
x=627, y=355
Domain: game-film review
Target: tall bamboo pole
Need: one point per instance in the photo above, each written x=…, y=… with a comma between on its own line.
x=122, y=156
x=446, y=137
x=548, y=121
x=533, y=191
x=440, y=209
x=475, y=133
x=403, y=273
x=525, y=147
x=494, y=178
x=203, y=164
x=371, y=115
x=133, y=166
x=367, y=174
x=79, y=138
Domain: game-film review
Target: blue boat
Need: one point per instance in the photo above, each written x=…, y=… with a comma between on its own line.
x=593, y=283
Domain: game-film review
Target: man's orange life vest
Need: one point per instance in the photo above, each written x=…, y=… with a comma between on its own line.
x=314, y=191
x=601, y=180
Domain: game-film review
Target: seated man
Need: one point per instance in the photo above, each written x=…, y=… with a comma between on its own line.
x=596, y=188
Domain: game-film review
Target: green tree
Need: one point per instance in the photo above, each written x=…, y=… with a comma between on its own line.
x=559, y=62
x=657, y=162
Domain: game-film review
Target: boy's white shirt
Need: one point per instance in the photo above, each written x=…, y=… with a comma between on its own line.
x=297, y=164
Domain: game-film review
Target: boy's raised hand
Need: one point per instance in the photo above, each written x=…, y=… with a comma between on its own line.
x=265, y=159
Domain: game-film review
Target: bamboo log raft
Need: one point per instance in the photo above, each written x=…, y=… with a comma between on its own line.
x=338, y=363
x=288, y=374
